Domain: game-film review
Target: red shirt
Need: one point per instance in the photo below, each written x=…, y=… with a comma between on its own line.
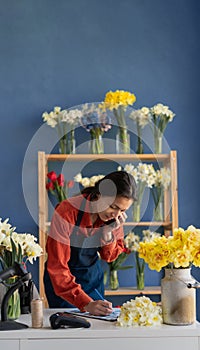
x=58, y=248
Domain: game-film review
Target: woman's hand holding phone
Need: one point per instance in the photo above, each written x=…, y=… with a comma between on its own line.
x=111, y=225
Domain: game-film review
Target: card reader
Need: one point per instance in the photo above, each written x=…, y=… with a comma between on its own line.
x=63, y=320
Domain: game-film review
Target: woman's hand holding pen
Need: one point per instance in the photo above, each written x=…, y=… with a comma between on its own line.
x=99, y=307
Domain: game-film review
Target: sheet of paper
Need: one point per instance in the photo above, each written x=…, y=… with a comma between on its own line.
x=112, y=317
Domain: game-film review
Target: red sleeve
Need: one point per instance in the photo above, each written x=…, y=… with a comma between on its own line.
x=110, y=251
x=58, y=249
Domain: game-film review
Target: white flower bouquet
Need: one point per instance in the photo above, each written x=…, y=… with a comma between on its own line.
x=140, y=311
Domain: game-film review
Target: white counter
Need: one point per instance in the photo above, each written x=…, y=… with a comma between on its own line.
x=102, y=335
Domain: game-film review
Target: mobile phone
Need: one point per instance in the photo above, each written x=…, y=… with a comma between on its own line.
x=111, y=222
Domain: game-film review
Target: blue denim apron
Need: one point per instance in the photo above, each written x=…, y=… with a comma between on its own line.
x=84, y=264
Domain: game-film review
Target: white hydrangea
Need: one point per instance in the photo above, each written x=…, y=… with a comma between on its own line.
x=140, y=311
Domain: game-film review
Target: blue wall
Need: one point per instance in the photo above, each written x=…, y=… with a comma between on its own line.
x=70, y=52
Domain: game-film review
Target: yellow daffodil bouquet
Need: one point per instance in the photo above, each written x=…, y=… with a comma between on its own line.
x=180, y=250
x=117, y=102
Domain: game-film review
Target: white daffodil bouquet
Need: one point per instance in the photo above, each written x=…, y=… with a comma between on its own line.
x=64, y=121
x=16, y=247
x=87, y=181
x=140, y=311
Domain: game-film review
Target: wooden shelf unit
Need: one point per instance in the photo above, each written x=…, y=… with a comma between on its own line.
x=150, y=290
x=170, y=199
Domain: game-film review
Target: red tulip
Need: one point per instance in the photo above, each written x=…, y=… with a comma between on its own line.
x=50, y=186
x=52, y=176
x=61, y=180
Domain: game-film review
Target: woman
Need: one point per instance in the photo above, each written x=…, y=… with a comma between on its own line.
x=82, y=227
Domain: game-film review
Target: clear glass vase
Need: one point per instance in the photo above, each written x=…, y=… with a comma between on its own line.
x=13, y=310
x=122, y=141
x=136, y=212
x=140, y=148
x=68, y=143
x=139, y=265
x=158, y=213
x=178, y=301
x=114, y=282
x=140, y=280
x=157, y=144
x=96, y=145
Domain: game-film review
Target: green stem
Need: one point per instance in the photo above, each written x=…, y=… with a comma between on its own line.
x=140, y=149
x=140, y=265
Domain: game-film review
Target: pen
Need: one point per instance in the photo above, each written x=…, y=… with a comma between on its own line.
x=99, y=294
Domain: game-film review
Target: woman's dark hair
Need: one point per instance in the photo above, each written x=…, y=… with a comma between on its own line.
x=124, y=182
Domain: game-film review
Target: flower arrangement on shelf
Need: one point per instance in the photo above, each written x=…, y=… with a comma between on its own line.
x=118, y=101
x=140, y=311
x=114, y=266
x=57, y=185
x=161, y=184
x=144, y=175
x=161, y=115
x=96, y=122
x=180, y=250
x=16, y=247
x=64, y=121
x=132, y=241
x=141, y=117
x=87, y=181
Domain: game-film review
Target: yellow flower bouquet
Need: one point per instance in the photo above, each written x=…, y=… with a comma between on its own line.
x=179, y=251
x=118, y=101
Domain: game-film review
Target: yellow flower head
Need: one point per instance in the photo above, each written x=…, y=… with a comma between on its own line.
x=115, y=99
x=182, y=249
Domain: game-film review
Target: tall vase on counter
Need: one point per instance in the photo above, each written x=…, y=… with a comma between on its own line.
x=178, y=301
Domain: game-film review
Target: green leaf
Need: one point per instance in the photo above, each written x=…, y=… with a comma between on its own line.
x=14, y=251
x=19, y=255
x=125, y=267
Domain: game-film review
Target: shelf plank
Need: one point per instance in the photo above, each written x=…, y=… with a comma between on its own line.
x=167, y=224
x=151, y=290
x=125, y=157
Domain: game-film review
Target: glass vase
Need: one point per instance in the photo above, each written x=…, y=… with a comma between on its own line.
x=122, y=141
x=114, y=283
x=68, y=143
x=139, y=265
x=140, y=280
x=178, y=301
x=136, y=212
x=96, y=145
x=140, y=149
x=13, y=310
x=157, y=144
x=158, y=213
